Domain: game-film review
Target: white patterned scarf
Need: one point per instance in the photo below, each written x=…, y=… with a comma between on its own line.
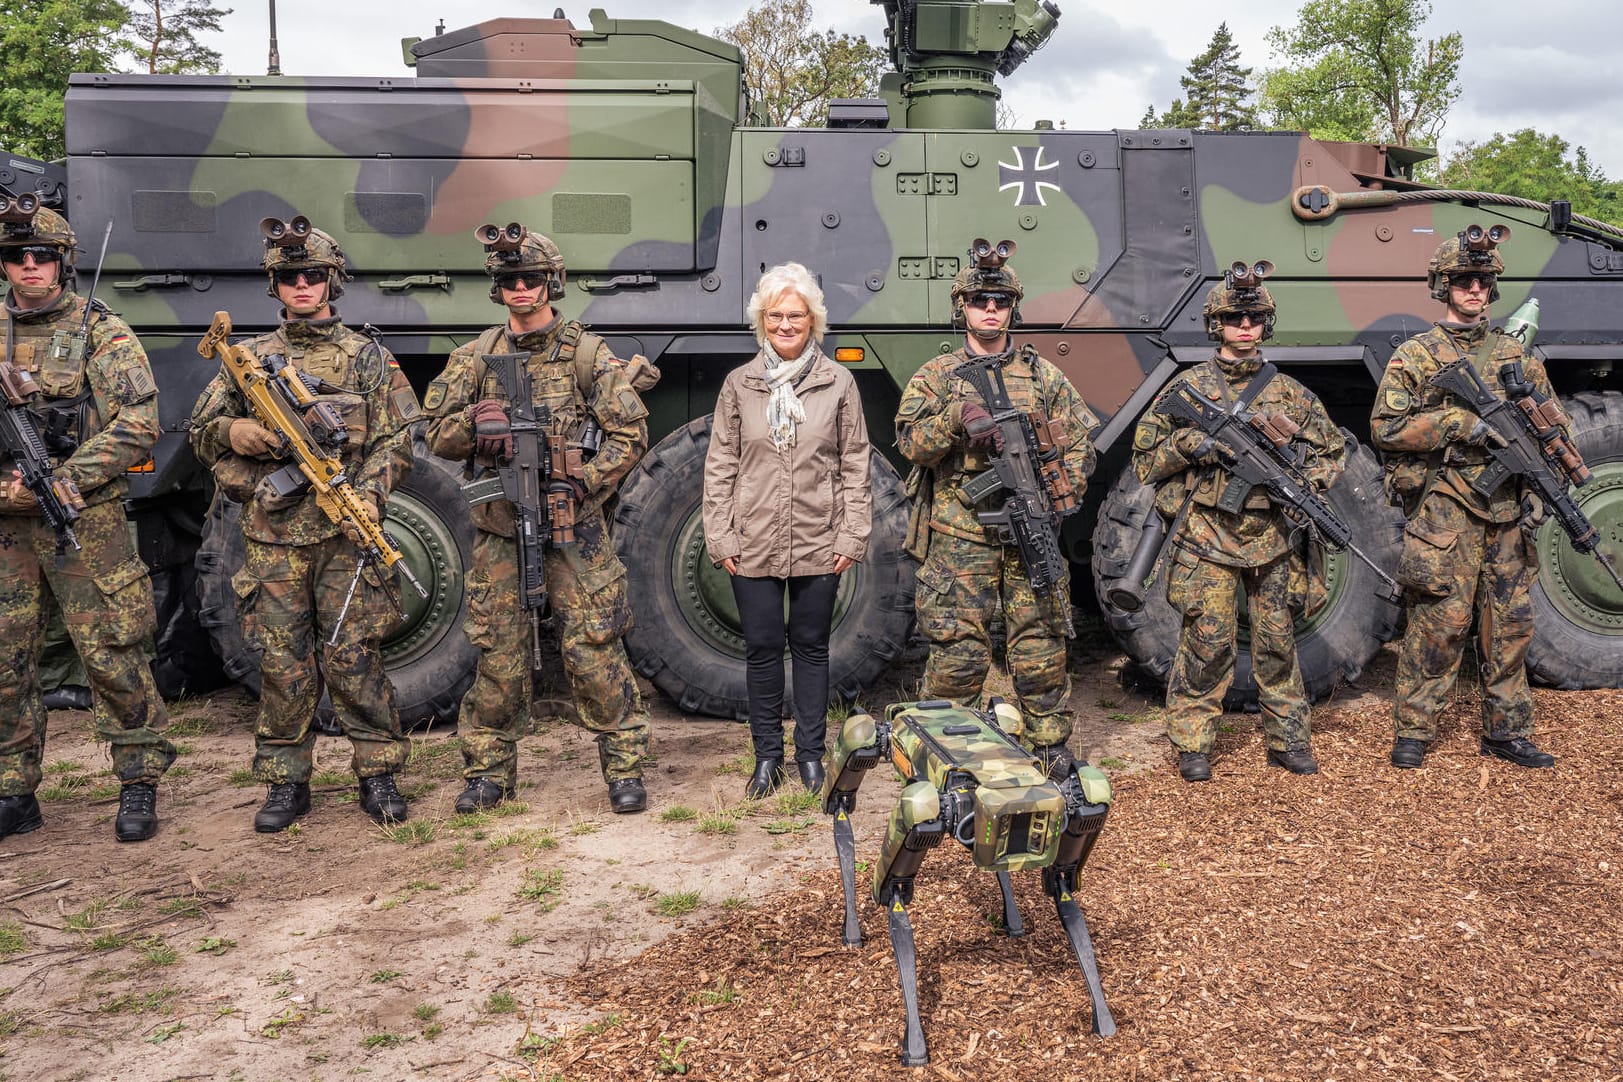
x=783, y=409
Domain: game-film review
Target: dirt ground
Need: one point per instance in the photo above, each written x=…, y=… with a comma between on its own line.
x=1454, y=922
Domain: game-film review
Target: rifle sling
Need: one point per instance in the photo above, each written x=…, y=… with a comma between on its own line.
x=1236, y=491
x=1434, y=459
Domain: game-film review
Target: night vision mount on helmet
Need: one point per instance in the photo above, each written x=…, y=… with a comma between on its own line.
x=1241, y=290
x=515, y=247
x=1473, y=249
x=24, y=221
x=987, y=272
x=295, y=244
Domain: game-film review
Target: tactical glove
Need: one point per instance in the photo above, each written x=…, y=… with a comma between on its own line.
x=249, y=438
x=1482, y=434
x=492, y=433
x=978, y=425
x=1195, y=446
x=15, y=498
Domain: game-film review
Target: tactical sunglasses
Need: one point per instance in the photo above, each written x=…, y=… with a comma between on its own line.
x=521, y=279
x=999, y=301
x=1234, y=319
x=42, y=253
x=1485, y=281
x=314, y=276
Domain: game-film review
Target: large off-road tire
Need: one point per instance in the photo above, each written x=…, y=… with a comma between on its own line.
x=1577, y=608
x=687, y=638
x=429, y=659
x=1332, y=646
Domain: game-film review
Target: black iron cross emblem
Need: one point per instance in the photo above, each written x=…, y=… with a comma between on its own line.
x=1025, y=177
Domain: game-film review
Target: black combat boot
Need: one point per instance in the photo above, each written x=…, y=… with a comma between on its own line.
x=1518, y=750
x=766, y=779
x=1408, y=753
x=381, y=800
x=137, y=812
x=627, y=795
x=286, y=801
x=19, y=814
x=1296, y=760
x=1194, y=766
x=811, y=775
x=481, y=793
x=1056, y=760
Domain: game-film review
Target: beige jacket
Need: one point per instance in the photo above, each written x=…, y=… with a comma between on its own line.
x=789, y=512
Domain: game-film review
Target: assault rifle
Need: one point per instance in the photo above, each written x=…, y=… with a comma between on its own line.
x=1259, y=449
x=1532, y=428
x=313, y=434
x=532, y=481
x=20, y=438
x=1030, y=468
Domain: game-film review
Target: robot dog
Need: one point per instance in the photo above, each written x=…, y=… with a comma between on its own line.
x=965, y=776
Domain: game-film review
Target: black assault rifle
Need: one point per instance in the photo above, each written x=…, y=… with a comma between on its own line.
x=20, y=438
x=543, y=512
x=1030, y=468
x=1258, y=449
x=1532, y=429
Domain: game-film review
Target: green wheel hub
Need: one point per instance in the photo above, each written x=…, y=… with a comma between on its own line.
x=1575, y=582
x=705, y=591
x=431, y=552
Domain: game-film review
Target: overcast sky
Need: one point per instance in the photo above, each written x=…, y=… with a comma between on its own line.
x=1551, y=65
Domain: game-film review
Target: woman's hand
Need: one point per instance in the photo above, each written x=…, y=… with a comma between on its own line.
x=730, y=565
x=842, y=564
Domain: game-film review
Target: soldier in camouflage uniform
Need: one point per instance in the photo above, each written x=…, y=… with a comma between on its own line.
x=1214, y=552
x=299, y=565
x=1462, y=553
x=99, y=405
x=580, y=384
x=968, y=576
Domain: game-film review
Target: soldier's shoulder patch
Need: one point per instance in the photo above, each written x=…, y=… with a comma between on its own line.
x=1146, y=435
x=1398, y=399
x=434, y=397
x=405, y=403
x=138, y=383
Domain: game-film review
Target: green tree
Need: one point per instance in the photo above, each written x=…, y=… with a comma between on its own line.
x=42, y=42
x=1359, y=69
x=1534, y=165
x=1217, y=90
x=163, y=35
x=791, y=71
x=1177, y=115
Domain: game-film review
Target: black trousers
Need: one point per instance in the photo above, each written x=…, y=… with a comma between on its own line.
x=811, y=616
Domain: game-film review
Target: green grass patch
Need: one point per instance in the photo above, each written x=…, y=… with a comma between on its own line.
x=677, y=903
x=63, y=766
x=281, y=1023
x=139, y=1002
x=796, y=802
x=678, y=813
x=582, y=827
x=10, y=1023
x=723, y=992
x=384, y=976
x=543, y=886
x=107, y=941
x=163, y=1033
x=326, y=778
x=788, y=826
x=383, y=1040
x=87, y=918
x=215, y=945
x=733, y=901
x=738, y=764
x=12, y=939
x=531, y=1046
x=425, y=1012
x=500, y=1003
x=242, y=777
x=1112, y=763
x=155, y=952
x=413, y=832
x=602, y=1025
x=718, y=822
x=528, y=840
x=518, y=939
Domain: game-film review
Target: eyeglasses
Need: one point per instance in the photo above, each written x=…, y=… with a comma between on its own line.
x=42, y=253
x=314, y=276
x=793, y=319
x=1235, y=319
x=999, y=301
x=1482, y=281
x=511, y=280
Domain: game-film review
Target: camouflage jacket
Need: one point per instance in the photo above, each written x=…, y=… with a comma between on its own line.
x=930, y=433
x=105, y=403
x=376, y=408
x=571, y=391
x=1259, y=533
x=1420, y=428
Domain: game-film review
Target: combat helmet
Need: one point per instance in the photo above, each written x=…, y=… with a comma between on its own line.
x=297, y=245
x=1241, y=290
x=514, y=247
x=987, y=272
x=24, y=222
x=1472, y=249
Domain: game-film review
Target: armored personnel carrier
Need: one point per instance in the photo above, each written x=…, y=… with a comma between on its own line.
x=631, y=144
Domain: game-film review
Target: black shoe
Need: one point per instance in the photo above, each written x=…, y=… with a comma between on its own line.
x=67, y=697
x=137, y=812
x=627, y=796
x=286, y=802
x=811, y=775
x=480, y=794
x=381, y=800
x=767, y=777
x=1408, y=753
x=1056, y=760
x=19, y=814
x=1296, y=760
x=1194, y=766
x=1518, y=750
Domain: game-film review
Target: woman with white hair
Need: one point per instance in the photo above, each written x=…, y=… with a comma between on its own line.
x=786, y=510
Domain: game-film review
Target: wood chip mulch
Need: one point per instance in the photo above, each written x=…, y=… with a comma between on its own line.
x=1464, y=921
